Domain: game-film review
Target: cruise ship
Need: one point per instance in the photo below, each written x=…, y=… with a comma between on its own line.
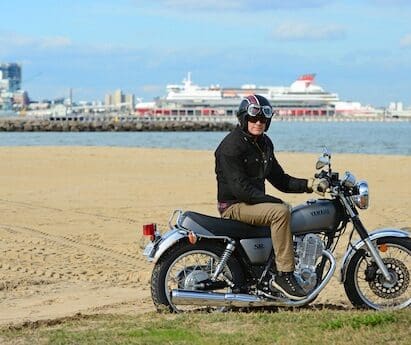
x=302, y=98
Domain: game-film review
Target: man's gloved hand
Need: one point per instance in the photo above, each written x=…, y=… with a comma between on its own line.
x=318, y=186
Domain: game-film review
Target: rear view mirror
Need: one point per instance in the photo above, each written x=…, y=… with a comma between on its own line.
x=322, y=162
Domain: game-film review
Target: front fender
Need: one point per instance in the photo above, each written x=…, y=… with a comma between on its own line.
x=376, y=234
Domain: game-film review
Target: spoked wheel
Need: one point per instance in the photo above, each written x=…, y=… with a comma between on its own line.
x=367, y=287
x=184, y=267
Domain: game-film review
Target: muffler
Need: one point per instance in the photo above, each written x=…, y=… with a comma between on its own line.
x=215, y=299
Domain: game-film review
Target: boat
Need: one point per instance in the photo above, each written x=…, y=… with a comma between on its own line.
x=302, y=98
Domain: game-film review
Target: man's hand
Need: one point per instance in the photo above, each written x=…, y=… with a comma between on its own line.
x=318, y=186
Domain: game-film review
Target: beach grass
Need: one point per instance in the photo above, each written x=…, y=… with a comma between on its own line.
x=282, y=327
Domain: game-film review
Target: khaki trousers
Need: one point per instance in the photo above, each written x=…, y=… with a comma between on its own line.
x=278, y=217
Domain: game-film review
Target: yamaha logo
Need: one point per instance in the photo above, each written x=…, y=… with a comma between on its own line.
x=320, y=212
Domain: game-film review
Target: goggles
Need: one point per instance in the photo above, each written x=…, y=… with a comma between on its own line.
x=258, y=110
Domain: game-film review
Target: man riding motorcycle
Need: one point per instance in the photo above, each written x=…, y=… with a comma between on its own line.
x=243, y=161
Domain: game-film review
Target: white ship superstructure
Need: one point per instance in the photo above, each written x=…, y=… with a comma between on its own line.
x=191, y=92
x=302, y=98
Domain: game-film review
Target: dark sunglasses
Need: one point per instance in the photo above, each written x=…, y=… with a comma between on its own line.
x=254, y=119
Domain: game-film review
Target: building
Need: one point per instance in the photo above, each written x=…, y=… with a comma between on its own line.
x=10, y=88
x=12, y=73
x=21, y=98
x=119, y=100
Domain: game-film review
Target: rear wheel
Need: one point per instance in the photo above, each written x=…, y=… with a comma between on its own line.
x=183, y=267
x=365, y=285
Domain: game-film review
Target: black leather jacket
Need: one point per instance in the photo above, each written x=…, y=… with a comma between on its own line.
x=242, y=165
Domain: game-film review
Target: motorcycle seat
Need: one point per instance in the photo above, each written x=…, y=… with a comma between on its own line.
x=223, y=227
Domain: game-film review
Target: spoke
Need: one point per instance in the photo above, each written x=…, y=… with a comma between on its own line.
x=192, y=263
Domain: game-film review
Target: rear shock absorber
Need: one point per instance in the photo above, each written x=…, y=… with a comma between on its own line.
x=229, y=249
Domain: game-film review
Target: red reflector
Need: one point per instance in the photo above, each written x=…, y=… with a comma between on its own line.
x=149, y=229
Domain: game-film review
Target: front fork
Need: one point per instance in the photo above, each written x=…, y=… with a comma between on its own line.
x=366, y=238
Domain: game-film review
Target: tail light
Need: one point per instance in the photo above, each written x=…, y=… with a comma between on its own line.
x=150, y=230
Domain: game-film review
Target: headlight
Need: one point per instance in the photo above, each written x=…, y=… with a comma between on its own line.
x=361, y=198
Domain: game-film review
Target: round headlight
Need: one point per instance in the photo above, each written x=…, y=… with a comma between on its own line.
x=361, y=198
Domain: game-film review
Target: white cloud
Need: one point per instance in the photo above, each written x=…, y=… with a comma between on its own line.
x=10, y=40
x=152, y=88
x=54, y=42
x=405, y=41
x=304, y=31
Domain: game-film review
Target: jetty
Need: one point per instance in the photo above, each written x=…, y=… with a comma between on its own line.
x=130, y=123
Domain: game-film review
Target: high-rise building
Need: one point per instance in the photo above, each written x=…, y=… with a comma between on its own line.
x=118, y=97
x=119, y=100
x=130, y=100
x=12, y=73
x=108, y=99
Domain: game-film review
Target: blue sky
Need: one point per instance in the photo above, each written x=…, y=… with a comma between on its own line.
x=358, y=49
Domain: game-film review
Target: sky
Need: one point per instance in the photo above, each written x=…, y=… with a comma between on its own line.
x=360, y=50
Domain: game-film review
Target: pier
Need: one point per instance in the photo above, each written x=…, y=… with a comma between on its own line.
x=130, y=123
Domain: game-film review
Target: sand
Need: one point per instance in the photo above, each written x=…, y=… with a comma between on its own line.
x=71, y=220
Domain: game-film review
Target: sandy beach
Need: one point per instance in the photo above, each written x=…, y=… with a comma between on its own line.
x=71, y=219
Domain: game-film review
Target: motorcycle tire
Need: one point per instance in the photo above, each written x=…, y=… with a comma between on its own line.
x=159, y=288
x=372, y=291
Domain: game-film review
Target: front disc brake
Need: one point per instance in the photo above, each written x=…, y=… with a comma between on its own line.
x=398, y=284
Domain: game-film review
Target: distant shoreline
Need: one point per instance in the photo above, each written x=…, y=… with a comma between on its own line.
x=135, y=124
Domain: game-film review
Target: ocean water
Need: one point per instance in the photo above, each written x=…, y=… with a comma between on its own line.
x=392, y=138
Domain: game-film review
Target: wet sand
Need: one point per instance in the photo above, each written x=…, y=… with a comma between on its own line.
x=70, y=230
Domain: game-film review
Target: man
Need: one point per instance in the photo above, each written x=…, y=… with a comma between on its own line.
x=244, y=160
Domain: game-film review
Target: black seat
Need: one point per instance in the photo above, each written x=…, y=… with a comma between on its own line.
x=228, y=227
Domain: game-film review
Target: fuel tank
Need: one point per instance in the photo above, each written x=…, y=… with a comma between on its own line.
x=316, y=216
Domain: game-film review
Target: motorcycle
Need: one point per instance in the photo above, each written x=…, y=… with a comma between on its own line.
x=205, y=262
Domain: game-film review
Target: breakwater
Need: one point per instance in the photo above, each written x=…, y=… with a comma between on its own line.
x=157, y=124
x=48, y=125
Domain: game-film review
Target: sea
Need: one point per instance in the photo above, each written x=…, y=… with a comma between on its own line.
x=387, y=138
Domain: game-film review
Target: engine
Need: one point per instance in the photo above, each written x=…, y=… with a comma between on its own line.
x=308, y=249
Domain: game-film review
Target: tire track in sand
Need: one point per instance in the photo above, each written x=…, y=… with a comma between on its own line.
x=119, y=256
x=31, y=257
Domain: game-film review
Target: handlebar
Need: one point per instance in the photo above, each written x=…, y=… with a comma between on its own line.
x=321, y=174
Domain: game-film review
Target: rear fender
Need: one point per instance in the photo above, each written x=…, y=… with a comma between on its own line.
x=376, y=234
x=177, y=234
x=168, y=240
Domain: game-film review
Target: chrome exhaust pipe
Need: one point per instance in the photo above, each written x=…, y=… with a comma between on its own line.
x=217, y=299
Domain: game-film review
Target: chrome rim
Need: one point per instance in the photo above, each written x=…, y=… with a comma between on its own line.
x=188, y=269
x=377, y=292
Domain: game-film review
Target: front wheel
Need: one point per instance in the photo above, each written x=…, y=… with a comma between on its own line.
x=366, y=286
x=183, y=267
